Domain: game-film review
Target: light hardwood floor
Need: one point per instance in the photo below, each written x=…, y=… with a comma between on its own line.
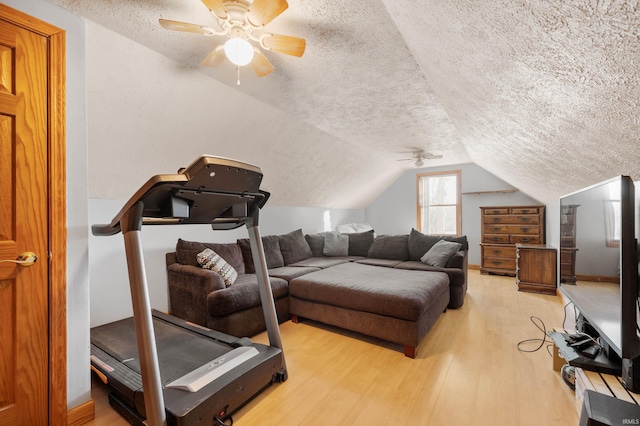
x=468, y=371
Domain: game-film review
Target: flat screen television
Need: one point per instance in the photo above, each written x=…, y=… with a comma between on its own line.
x=599, y=232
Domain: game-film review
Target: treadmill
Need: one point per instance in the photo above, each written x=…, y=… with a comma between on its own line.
x=163, y=370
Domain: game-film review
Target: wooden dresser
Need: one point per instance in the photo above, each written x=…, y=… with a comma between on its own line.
x=502, y=229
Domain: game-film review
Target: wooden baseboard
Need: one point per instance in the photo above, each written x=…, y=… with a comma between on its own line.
x=473, y=266
x=82, y=414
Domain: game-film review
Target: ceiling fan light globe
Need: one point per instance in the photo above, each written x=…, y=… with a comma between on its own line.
x=419, y=163
x=238, y=51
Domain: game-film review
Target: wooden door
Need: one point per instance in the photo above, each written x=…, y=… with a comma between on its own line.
x=29, y=393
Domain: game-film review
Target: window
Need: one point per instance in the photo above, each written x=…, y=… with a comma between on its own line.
x=439, y=203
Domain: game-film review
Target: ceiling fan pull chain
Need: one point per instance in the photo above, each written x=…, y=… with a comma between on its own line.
x=238, y=69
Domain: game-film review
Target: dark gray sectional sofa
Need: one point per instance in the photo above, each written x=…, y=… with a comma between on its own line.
x=377, y=286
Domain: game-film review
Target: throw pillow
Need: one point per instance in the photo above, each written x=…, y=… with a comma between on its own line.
x=271, y=246
x=294, y=247
x=439, y=254
x=394, y=247
x=360, y=242
x=420, y=243
x=335, y=244
x=209, y=259
x=316, y=243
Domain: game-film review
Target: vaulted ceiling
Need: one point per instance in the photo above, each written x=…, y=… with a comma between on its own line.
x=545, y=95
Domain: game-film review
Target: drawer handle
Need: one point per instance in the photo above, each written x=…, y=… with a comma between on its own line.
x=525, y=240
x=497, y=262
x=495, y=239
x=497, y=219
x=525, y=219
x=496, y=212
x=525, y=229
x=497, y=251
x=496, y=228
x=525, y=211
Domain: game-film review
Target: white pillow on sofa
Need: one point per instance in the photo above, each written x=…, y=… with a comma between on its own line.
x=209, y=259
x=439, y=254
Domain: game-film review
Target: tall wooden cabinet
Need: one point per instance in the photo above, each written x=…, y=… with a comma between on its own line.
x=502, y=229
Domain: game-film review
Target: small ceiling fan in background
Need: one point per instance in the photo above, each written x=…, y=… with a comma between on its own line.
x=419, y=155
x=239, y=21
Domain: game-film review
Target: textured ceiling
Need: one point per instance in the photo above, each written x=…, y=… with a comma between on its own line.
x=545, y=95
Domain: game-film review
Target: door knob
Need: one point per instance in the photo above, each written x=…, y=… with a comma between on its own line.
x=27, y=258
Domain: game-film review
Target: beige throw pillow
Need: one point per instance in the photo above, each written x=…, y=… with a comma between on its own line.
x=209, y=259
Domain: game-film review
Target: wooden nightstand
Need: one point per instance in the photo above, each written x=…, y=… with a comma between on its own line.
x=536, y=267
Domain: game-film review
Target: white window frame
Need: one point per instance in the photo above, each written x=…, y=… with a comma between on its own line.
x=420, y=202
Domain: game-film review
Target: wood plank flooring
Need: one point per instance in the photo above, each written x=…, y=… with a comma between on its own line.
x=468, y=371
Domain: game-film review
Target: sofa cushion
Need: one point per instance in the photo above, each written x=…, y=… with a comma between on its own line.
x=390, y=247
x=271, y=246
x=316, y=243
x=387, y=263
x=294, y=247
x=211, y=260
x=439, y=254
x=359, y=243
x=290, y=272
x=321, y=262
x=244, y=294
x=420, y=243
x=187, y=252
x=335, y=244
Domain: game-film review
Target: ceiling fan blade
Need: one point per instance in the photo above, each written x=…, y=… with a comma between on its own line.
x=217, y=8
x=214, y=58
x=288, y=45
x=261, y=12
x=185, y=27
x=430, y=156
x=260, y=64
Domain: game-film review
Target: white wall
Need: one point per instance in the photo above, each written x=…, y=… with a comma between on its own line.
x=78, y=375
x=110, y=296
x=394, y=212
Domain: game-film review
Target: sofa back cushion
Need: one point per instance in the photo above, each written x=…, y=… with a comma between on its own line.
x=393, y=247
x=187, y=252
x=271, y=246
x=335, y=244
x=316, y=243
x=420, y=243
x=294, y=247
x=359, y=243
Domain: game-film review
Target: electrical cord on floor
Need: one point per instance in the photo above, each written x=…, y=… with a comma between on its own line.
x=540, y=326
x=217, y=421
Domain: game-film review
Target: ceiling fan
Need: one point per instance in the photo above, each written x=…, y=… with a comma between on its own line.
x=239, y=21
x=419, y=155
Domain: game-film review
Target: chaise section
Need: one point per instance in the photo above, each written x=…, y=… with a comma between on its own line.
x=391, y=304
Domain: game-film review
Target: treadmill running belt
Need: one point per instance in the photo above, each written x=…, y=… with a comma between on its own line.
x=179, y=351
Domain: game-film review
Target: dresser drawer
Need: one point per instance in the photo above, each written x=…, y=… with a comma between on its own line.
x=498, y=239
x=499, y=251
x=499, y=263
x=512, y=218
x=525, y=239
x=525, y=210
x=511, y=229
x=496, y=210
x=566, y=256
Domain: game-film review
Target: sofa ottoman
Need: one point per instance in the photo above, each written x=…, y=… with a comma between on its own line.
x=391, y=304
